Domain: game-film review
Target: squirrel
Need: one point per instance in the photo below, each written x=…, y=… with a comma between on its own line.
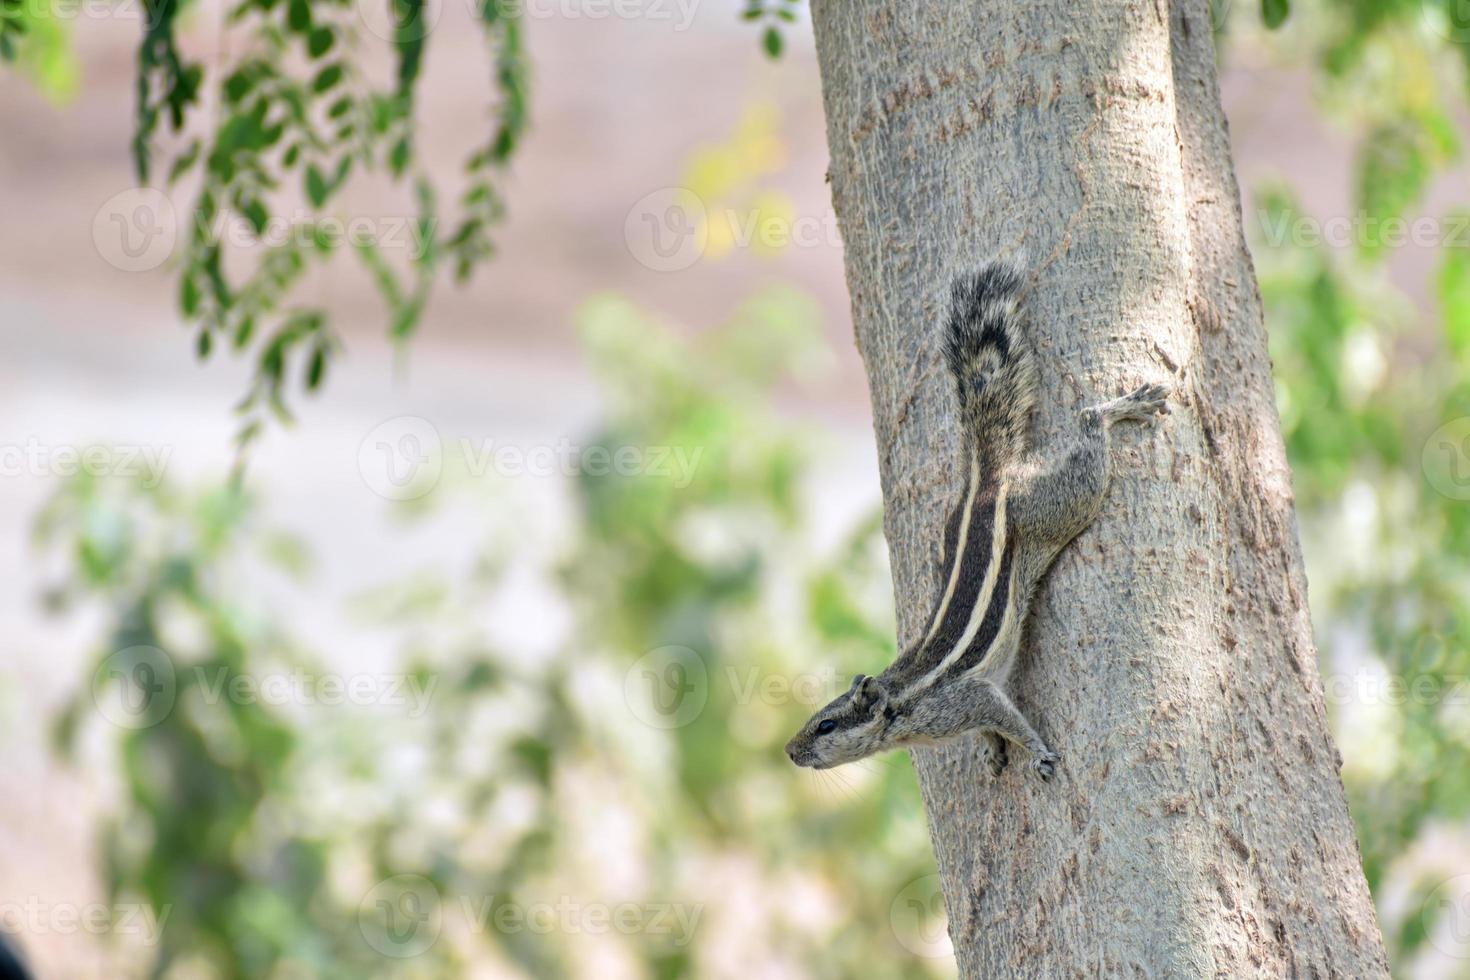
x=1016, y=513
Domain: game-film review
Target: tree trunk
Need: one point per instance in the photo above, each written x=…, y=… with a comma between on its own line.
x=1197, y=826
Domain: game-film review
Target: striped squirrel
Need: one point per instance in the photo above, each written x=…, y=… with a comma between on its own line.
x=1018, y=510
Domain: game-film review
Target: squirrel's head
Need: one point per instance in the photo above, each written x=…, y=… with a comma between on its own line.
x=852, y=726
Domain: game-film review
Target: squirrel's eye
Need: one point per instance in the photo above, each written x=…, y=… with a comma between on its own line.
x=825, y=728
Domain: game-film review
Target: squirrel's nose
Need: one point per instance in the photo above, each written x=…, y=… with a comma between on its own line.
x=791, y=751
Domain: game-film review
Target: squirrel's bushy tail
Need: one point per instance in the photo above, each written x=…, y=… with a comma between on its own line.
x=992, y=362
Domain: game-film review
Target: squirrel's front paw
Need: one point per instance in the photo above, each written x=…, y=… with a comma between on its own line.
x=1144, y=402
x=1045, y=765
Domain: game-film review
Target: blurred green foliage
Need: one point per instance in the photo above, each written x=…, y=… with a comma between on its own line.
x=1374, y=391
x=274, y=834
x=1372, y=397
x=298, y=116
x=33, y=37
x=295, y=114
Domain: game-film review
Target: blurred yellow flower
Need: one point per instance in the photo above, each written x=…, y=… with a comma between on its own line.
x=741, y=213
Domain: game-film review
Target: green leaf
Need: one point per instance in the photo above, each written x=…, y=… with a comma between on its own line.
x=204, y=344
x=184, y=162
x=316, y=186
x=298, y=16
x=273, y=362
x=405, y=321
x=256, y=214
x=243, y=332
x=324, y=238
x=771, y=41
x=1274, y=12
x=189, y=296
x=237, y=86
x=1454, y=297
x=398, y=158
x=319, y=41
x=326, y=78
x=316, y=367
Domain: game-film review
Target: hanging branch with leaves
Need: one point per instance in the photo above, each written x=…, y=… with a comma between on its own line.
x=319, y=125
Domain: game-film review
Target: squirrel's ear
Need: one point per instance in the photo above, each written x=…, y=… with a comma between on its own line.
x=868, y=690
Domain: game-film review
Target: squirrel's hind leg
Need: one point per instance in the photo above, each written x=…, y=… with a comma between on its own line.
x=1139, y=405
x=1062, y=496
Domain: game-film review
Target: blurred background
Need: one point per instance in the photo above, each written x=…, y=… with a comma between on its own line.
x=362, y=623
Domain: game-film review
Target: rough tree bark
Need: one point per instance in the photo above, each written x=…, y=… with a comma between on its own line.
x=1198, y=825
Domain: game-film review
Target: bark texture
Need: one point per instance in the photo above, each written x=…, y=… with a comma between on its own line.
x=1197, y=826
